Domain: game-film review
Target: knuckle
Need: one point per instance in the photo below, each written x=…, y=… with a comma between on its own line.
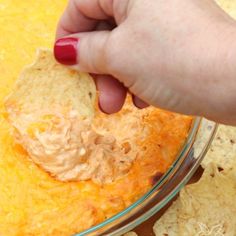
x=113, y=53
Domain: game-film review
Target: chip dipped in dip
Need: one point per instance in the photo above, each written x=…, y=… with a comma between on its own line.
x=52, y=111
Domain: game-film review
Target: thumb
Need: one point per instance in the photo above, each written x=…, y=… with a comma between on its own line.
x=84, y=51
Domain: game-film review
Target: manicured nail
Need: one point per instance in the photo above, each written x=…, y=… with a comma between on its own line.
x=65, y=51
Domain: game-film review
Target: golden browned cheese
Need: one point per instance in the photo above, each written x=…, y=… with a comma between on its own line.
x=31, y=201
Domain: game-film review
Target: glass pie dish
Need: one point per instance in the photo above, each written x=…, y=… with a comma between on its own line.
x=166, y=188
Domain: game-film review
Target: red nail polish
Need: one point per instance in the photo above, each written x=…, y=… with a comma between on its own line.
x=65, y=51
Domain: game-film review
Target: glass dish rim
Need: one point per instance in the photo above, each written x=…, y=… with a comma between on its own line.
x=186, y=147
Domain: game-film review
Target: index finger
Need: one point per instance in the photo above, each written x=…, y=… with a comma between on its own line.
x=82, y=16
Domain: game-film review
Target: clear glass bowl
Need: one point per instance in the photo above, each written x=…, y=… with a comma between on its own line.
x=186, y=163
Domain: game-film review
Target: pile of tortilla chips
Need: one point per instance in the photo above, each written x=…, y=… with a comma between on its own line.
x=223, y=148
x=208, y=207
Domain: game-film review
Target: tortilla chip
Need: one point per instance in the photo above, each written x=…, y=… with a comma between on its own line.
x=209, y=204
x=229, y=6
x=50, y=111
x=204, y=208
x=168, y=223
x=46, y=82
x=223, y=149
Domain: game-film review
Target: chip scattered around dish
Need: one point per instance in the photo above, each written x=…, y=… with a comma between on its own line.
x=204, y=208
x=223, y=149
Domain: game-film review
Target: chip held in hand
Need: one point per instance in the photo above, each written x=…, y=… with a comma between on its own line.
x=51, y=110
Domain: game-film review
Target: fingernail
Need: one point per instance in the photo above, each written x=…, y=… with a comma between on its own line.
x=65, y=51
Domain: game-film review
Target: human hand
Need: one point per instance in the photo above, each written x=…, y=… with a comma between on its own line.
x=168, y=53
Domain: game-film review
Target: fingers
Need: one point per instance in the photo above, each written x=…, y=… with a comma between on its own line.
x=112, y=93
x=82, y=16
x=85, y=51
x=139, y=103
